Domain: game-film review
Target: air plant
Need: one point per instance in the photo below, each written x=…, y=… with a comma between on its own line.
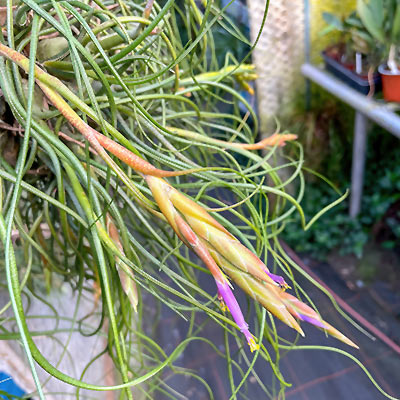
x=214, y=245
x=131, y=138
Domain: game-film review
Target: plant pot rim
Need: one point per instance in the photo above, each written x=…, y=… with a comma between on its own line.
x=384, y=70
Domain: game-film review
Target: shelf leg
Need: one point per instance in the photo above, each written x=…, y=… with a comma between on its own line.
x=358, y=163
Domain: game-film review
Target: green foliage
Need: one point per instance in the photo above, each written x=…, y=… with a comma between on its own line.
x=234, y=33
x=333, y=21
x=335, y=231
x=382, y=20
x=372, y=14
x=379, y=219
x=373, y=29
x=354, y=36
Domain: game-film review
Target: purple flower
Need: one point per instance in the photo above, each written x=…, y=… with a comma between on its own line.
x=225, y=292
x=277, y=279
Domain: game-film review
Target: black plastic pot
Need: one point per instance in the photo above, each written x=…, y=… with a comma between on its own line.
x=354, y=80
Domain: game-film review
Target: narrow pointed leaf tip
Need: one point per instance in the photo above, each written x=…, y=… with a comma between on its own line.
x=305, y=313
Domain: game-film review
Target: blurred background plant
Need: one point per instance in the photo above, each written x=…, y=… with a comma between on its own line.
x=373, y=30
x=354, y=38
x=326, y=134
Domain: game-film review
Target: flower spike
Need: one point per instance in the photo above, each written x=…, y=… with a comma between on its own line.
x=161, y=192
x=218, y=248
x=266, y=295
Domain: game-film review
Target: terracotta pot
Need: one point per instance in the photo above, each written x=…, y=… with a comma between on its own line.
x=390, y=84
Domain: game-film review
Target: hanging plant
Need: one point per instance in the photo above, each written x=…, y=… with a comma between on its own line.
x=129, y=129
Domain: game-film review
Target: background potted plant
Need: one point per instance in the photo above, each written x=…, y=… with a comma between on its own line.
x=381, y=18
x=354, y=59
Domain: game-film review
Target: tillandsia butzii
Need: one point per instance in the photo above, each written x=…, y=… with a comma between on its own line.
x=223, y=254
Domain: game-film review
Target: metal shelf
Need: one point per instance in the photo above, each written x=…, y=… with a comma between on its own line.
x=383, y=114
